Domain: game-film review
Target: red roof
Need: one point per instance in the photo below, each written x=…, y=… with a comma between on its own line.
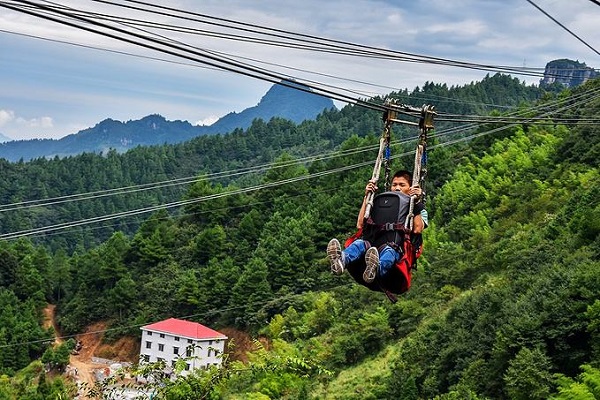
x=189, y=329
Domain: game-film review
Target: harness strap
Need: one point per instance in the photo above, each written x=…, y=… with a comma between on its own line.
x=390, y=226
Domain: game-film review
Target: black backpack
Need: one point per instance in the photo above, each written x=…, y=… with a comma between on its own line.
x=385, y=225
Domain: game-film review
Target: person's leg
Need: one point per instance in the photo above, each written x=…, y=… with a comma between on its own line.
x=334, y=254
x=338, y=259
x=355, y=251
x=371, y=264
x=387, y=259
x=379, y=264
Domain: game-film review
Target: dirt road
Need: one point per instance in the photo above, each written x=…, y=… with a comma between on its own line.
x=80, y=366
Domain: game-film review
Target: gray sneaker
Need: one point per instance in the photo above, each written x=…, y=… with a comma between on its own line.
x=336, y=259
x=372, y=262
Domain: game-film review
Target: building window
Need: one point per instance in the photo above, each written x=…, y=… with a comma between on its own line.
x=173, y=363
x=148, y=345
x=175, y=350
x=187, y=366
x=146, y=357
x=188, y=352
x=177, y=338
x=210, y=342
x=162, y=335
x=209, y=350
x=189, y=340
x=158, y=359
x=161, y=347
x=149, y=333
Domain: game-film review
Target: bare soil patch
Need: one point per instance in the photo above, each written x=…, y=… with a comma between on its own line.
x=242, y=343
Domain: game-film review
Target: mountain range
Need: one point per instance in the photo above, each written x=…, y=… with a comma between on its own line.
x=280, y=101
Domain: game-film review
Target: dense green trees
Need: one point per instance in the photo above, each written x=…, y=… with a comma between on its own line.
x=505, y=298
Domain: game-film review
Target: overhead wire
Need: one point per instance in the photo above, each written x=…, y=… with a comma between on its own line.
x=563, y=26
x=329, y=44
x=145, y=210
x=186, y=180
x=184, y=317
x=312, y=87
x=585, y=96
x=358, y=101
x=316, y=40
x=179, y=51
x=85, y=19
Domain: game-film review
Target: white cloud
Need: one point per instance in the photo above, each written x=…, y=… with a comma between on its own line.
x=80, y=87
x=25, y=128
x=42, y=122
x=460, y=28
x=208, y=120
x=6, y=116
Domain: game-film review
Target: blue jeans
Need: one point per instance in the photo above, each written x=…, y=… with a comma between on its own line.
x=387, y=257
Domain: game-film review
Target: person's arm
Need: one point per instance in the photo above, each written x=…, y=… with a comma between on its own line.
x=371, y=188
x=418, y=224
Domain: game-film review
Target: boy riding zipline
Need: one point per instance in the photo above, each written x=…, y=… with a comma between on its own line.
x=379, y=245
x=383, y=252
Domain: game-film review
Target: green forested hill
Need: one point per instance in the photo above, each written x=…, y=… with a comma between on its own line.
x=505, y=298
x=260, y=144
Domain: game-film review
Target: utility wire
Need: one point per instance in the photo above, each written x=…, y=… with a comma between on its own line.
x=411, y=57
x=325, y=44
x=562, y=26
x=583, y=97
x=186, y=317
x=52, y=228
x=193, y=55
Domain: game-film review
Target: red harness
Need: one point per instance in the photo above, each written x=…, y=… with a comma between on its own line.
x=398, y=280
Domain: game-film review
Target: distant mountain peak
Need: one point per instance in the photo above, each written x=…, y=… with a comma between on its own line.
x=280, y=101
x=568, y=73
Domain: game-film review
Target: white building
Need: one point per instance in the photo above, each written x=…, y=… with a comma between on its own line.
x=172, y=339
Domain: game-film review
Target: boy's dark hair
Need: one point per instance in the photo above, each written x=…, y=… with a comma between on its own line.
x=403, y=173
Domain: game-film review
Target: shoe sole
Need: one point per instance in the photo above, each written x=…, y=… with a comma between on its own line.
x=372, y=264
x=334, y=254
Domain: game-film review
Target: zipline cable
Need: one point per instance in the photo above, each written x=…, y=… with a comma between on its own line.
x=167, y=48
x=378, y=52
x=29, y=232
x=562, y=26
x=185, y=317
x=585, y=96
x=251, y=28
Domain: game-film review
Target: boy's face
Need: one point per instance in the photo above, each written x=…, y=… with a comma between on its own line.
x=400, y=185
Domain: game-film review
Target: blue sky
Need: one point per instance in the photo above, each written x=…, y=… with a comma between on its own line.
x=51, y=89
